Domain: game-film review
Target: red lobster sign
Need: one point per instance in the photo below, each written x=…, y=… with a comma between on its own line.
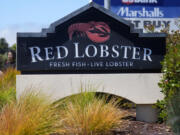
x=98, y=32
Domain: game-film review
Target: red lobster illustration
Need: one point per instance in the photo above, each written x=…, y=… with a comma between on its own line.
x=96, y=31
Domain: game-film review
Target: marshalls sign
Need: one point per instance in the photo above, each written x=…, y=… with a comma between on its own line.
x=90, y=40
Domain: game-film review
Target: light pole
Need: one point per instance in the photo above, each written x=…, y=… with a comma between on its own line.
x=107, y=4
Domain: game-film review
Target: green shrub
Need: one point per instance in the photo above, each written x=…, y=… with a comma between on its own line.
x=3, y=58
x=170, y=82
x=122, y=102
x=174, y=113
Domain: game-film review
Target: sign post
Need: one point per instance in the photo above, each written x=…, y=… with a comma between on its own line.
x=107, y=4
x=101, y=49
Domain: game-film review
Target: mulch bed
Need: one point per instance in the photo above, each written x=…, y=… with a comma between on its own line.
x=132, y=127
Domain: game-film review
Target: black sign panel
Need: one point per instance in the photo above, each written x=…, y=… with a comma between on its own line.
x=90, y=40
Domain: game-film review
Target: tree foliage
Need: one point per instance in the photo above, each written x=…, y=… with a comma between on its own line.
x=3, y=58
x=3, y=46
x=170, y=82
x=13, y=47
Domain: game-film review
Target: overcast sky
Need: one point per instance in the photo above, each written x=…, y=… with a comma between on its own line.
x=32, y=15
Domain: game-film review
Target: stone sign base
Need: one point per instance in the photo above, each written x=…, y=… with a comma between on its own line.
x=146, y=113
x=142, y=89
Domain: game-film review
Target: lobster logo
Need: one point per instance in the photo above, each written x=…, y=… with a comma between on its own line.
x=98, y=32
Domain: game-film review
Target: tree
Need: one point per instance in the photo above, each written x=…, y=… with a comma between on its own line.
x=3, y=46
x=3, y=58
x=13, y=47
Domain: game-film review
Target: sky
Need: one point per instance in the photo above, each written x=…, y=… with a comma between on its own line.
x=32, y=15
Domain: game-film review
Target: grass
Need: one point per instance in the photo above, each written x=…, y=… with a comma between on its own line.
x=8, y=86
x=82, y=114
x=33, y=114
x=8, y=79
x=7, y=96
x=86, y=114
